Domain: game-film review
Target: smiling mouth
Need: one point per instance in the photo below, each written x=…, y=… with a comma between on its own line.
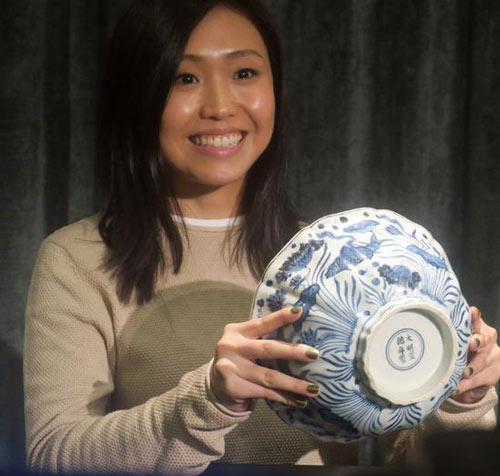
x=222, y=141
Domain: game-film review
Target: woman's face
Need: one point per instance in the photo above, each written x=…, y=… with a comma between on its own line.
x=219, y=115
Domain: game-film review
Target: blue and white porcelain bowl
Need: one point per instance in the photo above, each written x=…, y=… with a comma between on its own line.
x=384, y=308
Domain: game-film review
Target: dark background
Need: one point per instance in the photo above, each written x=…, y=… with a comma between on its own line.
x=392, y=104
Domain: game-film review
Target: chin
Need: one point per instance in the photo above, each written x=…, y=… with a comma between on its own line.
x=219, y=182
x=220, y=179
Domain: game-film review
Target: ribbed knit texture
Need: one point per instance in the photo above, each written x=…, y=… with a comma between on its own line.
x=115, y=388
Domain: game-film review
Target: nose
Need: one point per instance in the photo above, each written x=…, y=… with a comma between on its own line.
x=219, y=101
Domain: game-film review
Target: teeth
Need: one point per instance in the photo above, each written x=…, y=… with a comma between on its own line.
x=228, y=140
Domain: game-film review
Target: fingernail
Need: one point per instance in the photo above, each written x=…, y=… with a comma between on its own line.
x=296, y=309
x=312, y=353
x=313, y=388
x=468, y=372
x=300, y=402
x=477, y=340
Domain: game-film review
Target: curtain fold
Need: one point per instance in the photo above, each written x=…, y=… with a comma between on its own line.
x=391, y=104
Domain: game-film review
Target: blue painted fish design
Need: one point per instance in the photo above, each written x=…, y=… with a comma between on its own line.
x=393, y=230
x=400, y=275
x=275, y=301
x=365, y=225
x=352, y=254
x=326, y=234
x=298, y=260
x=428, y=258
x=310, y=337
x=307, y=299
x=296, y=281
x=391, y=220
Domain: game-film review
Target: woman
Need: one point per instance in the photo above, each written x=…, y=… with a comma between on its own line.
x=126, y=307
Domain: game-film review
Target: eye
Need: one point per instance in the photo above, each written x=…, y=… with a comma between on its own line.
x=246, y=73
x=186, y=78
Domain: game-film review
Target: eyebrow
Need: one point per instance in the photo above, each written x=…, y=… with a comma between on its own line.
x=232, y=54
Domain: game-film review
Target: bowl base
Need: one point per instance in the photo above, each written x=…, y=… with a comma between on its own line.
x=406, y=351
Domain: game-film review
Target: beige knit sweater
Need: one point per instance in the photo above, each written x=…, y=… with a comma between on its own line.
x=123, y=388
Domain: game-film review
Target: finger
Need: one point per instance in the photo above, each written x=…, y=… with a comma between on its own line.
x=473, y=395
x=475, y=320
x=475, y=342
x=483, y=340
x=269, y=349
x=273, y=379
x=241, y=389
x=478, y=363
x=488, y=377
x=268, y=324
x=226, y=371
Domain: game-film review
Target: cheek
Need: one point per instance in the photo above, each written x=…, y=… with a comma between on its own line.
x=177, y=112
x=263, y=108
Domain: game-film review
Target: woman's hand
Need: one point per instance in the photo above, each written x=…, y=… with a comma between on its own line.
x=235, y=377
x=483, y=369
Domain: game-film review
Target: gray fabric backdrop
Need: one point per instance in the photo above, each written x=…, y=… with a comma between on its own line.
x=392, y=103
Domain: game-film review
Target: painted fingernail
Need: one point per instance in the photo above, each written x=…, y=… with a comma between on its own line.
x=300, y=402
x=296, y=309
x=312, y=353
x=313, y=388
x=477, y=340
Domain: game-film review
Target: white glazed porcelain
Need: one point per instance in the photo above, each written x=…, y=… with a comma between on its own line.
x=383, y=306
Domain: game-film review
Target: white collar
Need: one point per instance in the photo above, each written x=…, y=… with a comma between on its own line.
x=209, y=223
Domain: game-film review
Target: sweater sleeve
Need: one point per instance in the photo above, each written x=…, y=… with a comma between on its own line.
x=452, y=415
x=68, y=376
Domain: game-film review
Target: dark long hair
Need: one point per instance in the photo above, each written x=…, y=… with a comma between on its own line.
x=143, y=57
